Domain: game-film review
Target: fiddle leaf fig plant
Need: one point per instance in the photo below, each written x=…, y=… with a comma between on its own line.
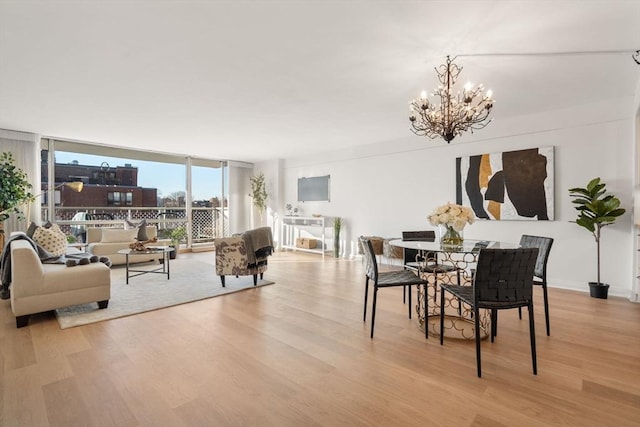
x=14, y=188
x=596, y=210
x=259, y=192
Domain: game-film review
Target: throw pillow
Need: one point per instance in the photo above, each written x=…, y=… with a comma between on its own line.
x=52, y=239
x=33, y=227
x=142, y=229
x=118, y=235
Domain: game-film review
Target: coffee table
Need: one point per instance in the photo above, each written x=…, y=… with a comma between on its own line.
x=164, y=269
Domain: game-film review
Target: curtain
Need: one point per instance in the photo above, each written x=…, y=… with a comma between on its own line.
x=240, y=218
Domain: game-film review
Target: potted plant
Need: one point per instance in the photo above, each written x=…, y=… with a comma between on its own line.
x=14, y=190
x=337, y=225
x=596, y=210
x=259, y=192
x=177, y=234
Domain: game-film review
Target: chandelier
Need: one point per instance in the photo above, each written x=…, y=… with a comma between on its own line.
x=457, y=113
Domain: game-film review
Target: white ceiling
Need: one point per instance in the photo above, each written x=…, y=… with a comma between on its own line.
x=257, y=80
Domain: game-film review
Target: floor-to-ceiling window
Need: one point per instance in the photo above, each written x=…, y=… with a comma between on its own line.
x=125, y=184
x=209, y=203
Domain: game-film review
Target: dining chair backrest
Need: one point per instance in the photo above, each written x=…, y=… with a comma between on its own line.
x=423, y=235
x=544, y=246
x=505, y=276
x=411, y=255
x=370, y=264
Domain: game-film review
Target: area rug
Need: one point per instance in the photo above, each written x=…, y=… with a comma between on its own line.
x=191, y=280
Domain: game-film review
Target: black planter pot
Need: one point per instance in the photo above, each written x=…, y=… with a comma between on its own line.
x=172, y=254
x=598, y=290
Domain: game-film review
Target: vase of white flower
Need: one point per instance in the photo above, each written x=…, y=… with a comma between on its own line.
x=453, y=218
x=450, y=236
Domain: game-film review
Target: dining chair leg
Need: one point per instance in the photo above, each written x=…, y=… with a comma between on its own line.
x=409, y=290
x=441, y=315
x=546, y=308
x=373, y=308
x=435, y=287
x=426, y=314
x=476, y=322
x=494, y=323
x=366, y=294
x=532, y=333
x=520, y=312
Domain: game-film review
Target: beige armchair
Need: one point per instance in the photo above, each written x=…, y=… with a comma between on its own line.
x=244, y=255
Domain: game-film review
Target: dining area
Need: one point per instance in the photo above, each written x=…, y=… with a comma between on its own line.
x=461, y=285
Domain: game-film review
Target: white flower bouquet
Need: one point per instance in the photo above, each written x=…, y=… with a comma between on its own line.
x=453, y=216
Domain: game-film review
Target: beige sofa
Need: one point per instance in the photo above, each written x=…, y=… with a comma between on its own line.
x=38, y=287
x=107, y=241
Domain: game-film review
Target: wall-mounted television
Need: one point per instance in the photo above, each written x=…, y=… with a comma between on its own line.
x=313, y=189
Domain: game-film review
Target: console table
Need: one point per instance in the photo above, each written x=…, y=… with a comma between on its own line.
x=314, y=227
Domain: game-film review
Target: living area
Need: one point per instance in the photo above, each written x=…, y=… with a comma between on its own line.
x=207, y=97
x=82, y=288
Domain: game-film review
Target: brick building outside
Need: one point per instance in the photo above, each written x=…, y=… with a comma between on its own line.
x=104, y=186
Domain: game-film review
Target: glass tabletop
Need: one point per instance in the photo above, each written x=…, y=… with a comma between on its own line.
x=148, y=250
x=467, y=246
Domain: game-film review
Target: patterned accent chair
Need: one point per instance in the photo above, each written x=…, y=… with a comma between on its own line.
x=235, y=258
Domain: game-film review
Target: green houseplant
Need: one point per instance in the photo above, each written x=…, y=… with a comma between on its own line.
x=596, y=210
x=259, y=192
x=14, y=190
x=15, y=187
x=337, y=226
x=177, y=234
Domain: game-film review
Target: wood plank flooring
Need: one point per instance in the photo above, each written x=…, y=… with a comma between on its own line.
x=298, y=354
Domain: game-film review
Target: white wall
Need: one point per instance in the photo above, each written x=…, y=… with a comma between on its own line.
x=383, y=189
x=635, y=273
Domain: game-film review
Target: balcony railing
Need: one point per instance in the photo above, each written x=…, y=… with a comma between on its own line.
x=205, y=223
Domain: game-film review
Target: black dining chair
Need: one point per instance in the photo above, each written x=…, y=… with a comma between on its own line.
x=540, y=272
x=503, y=280
x=384, y=280
x=425, y=263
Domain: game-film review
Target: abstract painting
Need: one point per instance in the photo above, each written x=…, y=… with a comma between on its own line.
x=512, y=185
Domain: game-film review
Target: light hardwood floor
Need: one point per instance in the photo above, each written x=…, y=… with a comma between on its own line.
x=298, y=354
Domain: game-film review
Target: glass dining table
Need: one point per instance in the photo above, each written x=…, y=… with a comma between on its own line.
x=463, y=257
